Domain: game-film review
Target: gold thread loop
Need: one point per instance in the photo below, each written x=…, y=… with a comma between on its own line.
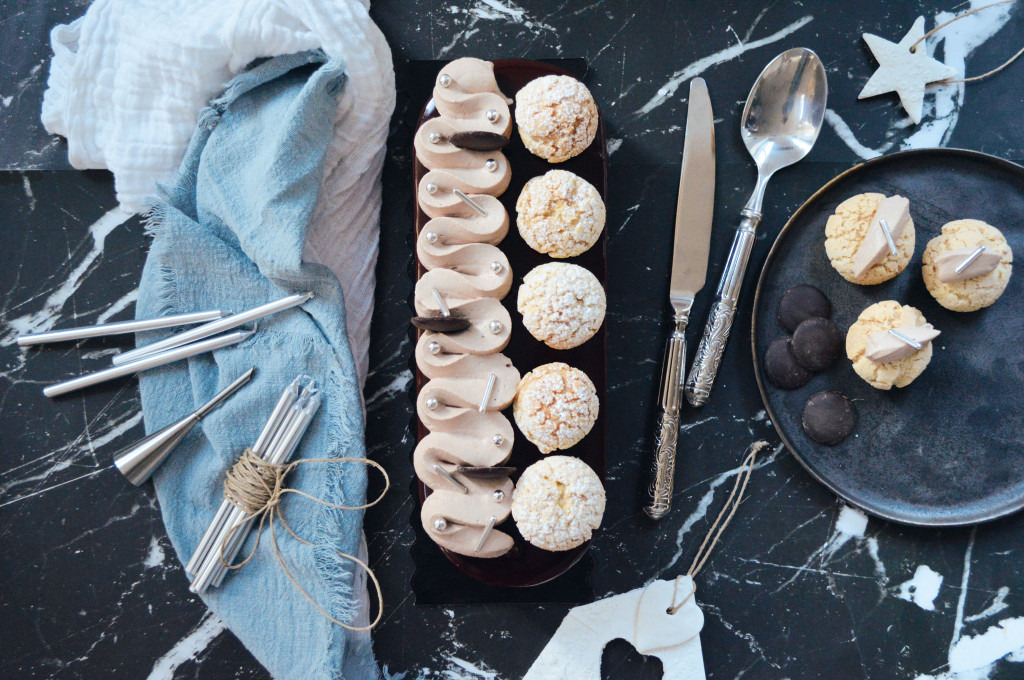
x=732, y=503
x=913, y=48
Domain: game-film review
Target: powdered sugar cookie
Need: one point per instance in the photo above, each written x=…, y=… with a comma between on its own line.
x=556, y=406
x=562, y=304
x=558, y=503
x=560, y=214
x=557, y=117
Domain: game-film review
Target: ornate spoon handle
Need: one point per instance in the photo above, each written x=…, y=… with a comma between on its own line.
x=716, y=332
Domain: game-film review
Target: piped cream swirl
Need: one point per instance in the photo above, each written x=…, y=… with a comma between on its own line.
x=470, y=381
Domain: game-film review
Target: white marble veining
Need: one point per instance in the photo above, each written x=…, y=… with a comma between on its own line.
x=701, y=511
x=44, y=318
x=187, y=648
x=997, y=605
x=922, y=588
x=33, y=477
x=668, y=90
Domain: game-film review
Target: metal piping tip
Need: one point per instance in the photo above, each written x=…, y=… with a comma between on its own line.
x=225, y=393
x=138, y=461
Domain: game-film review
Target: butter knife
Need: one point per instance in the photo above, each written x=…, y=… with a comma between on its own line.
x=694, y=209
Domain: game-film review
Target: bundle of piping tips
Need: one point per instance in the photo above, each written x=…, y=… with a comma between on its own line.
x=276, y=443
x=183, y=345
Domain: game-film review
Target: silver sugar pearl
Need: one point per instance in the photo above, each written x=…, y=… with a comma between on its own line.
x=497, y=267
x=492, y=115
x=435, y=137
x=445, y=80
x=431, y=237
x=440, y=524
x=495, y=326
x=434, y=348
x=499, y=495
x=430, y=188
x=491, y=165
x=498, y=440
x=431, y=403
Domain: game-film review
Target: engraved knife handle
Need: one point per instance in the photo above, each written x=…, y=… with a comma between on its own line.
x=673, y=373
x=716, y=332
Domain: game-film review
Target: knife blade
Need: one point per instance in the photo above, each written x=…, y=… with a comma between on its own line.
x=695, y=203
x=692, y=241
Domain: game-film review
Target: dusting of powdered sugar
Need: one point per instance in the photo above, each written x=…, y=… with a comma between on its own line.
x=560, y=214
x=556, y=406
x=557, y=117
x=562, y=304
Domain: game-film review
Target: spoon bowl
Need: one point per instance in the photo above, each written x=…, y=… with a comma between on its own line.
x=785, y=109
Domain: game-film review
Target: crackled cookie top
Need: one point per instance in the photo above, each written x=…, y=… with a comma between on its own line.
x=557, y=117
x=558, y=503
x=973, y=293
x=562, y=304
x=556, y=406
x=560, y=214
x=882, y=316
x=845, y=232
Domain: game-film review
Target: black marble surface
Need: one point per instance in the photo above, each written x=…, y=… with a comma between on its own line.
x=801, y=586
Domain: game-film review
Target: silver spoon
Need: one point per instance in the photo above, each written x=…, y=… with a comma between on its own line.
x=781, y=122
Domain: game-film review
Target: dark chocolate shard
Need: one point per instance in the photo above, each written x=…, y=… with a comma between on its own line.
x=485, y=472
x=478, y=140
x=441, y=324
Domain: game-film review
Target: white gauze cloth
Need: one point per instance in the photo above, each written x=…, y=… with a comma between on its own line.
x=128, y=80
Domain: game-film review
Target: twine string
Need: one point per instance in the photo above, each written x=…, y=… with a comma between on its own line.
x=732, y=503
x=913, y=48
x=256, y=487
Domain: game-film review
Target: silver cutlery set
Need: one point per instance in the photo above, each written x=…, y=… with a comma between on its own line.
x=779, y=125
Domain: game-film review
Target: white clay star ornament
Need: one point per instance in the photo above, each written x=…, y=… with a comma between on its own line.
x=905, y=72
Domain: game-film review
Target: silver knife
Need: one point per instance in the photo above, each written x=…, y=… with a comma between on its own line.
x=694, y=209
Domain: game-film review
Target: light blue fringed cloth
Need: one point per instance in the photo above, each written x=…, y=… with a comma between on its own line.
x=228, y=234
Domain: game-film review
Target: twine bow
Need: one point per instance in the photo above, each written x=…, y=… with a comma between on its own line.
x=732, y=503
x=257, y=487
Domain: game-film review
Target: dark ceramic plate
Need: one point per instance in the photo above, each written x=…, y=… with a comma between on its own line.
x=526, y=565
x=949, y=448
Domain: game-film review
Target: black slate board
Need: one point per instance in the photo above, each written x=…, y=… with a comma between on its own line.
x=526, y=573
x=949, y=448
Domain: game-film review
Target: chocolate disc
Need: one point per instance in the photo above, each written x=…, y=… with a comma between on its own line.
x=829, y=417
x=441, y=324
x=800, y=303
x=479, y=140
x=816, y=344
x=782, y=368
